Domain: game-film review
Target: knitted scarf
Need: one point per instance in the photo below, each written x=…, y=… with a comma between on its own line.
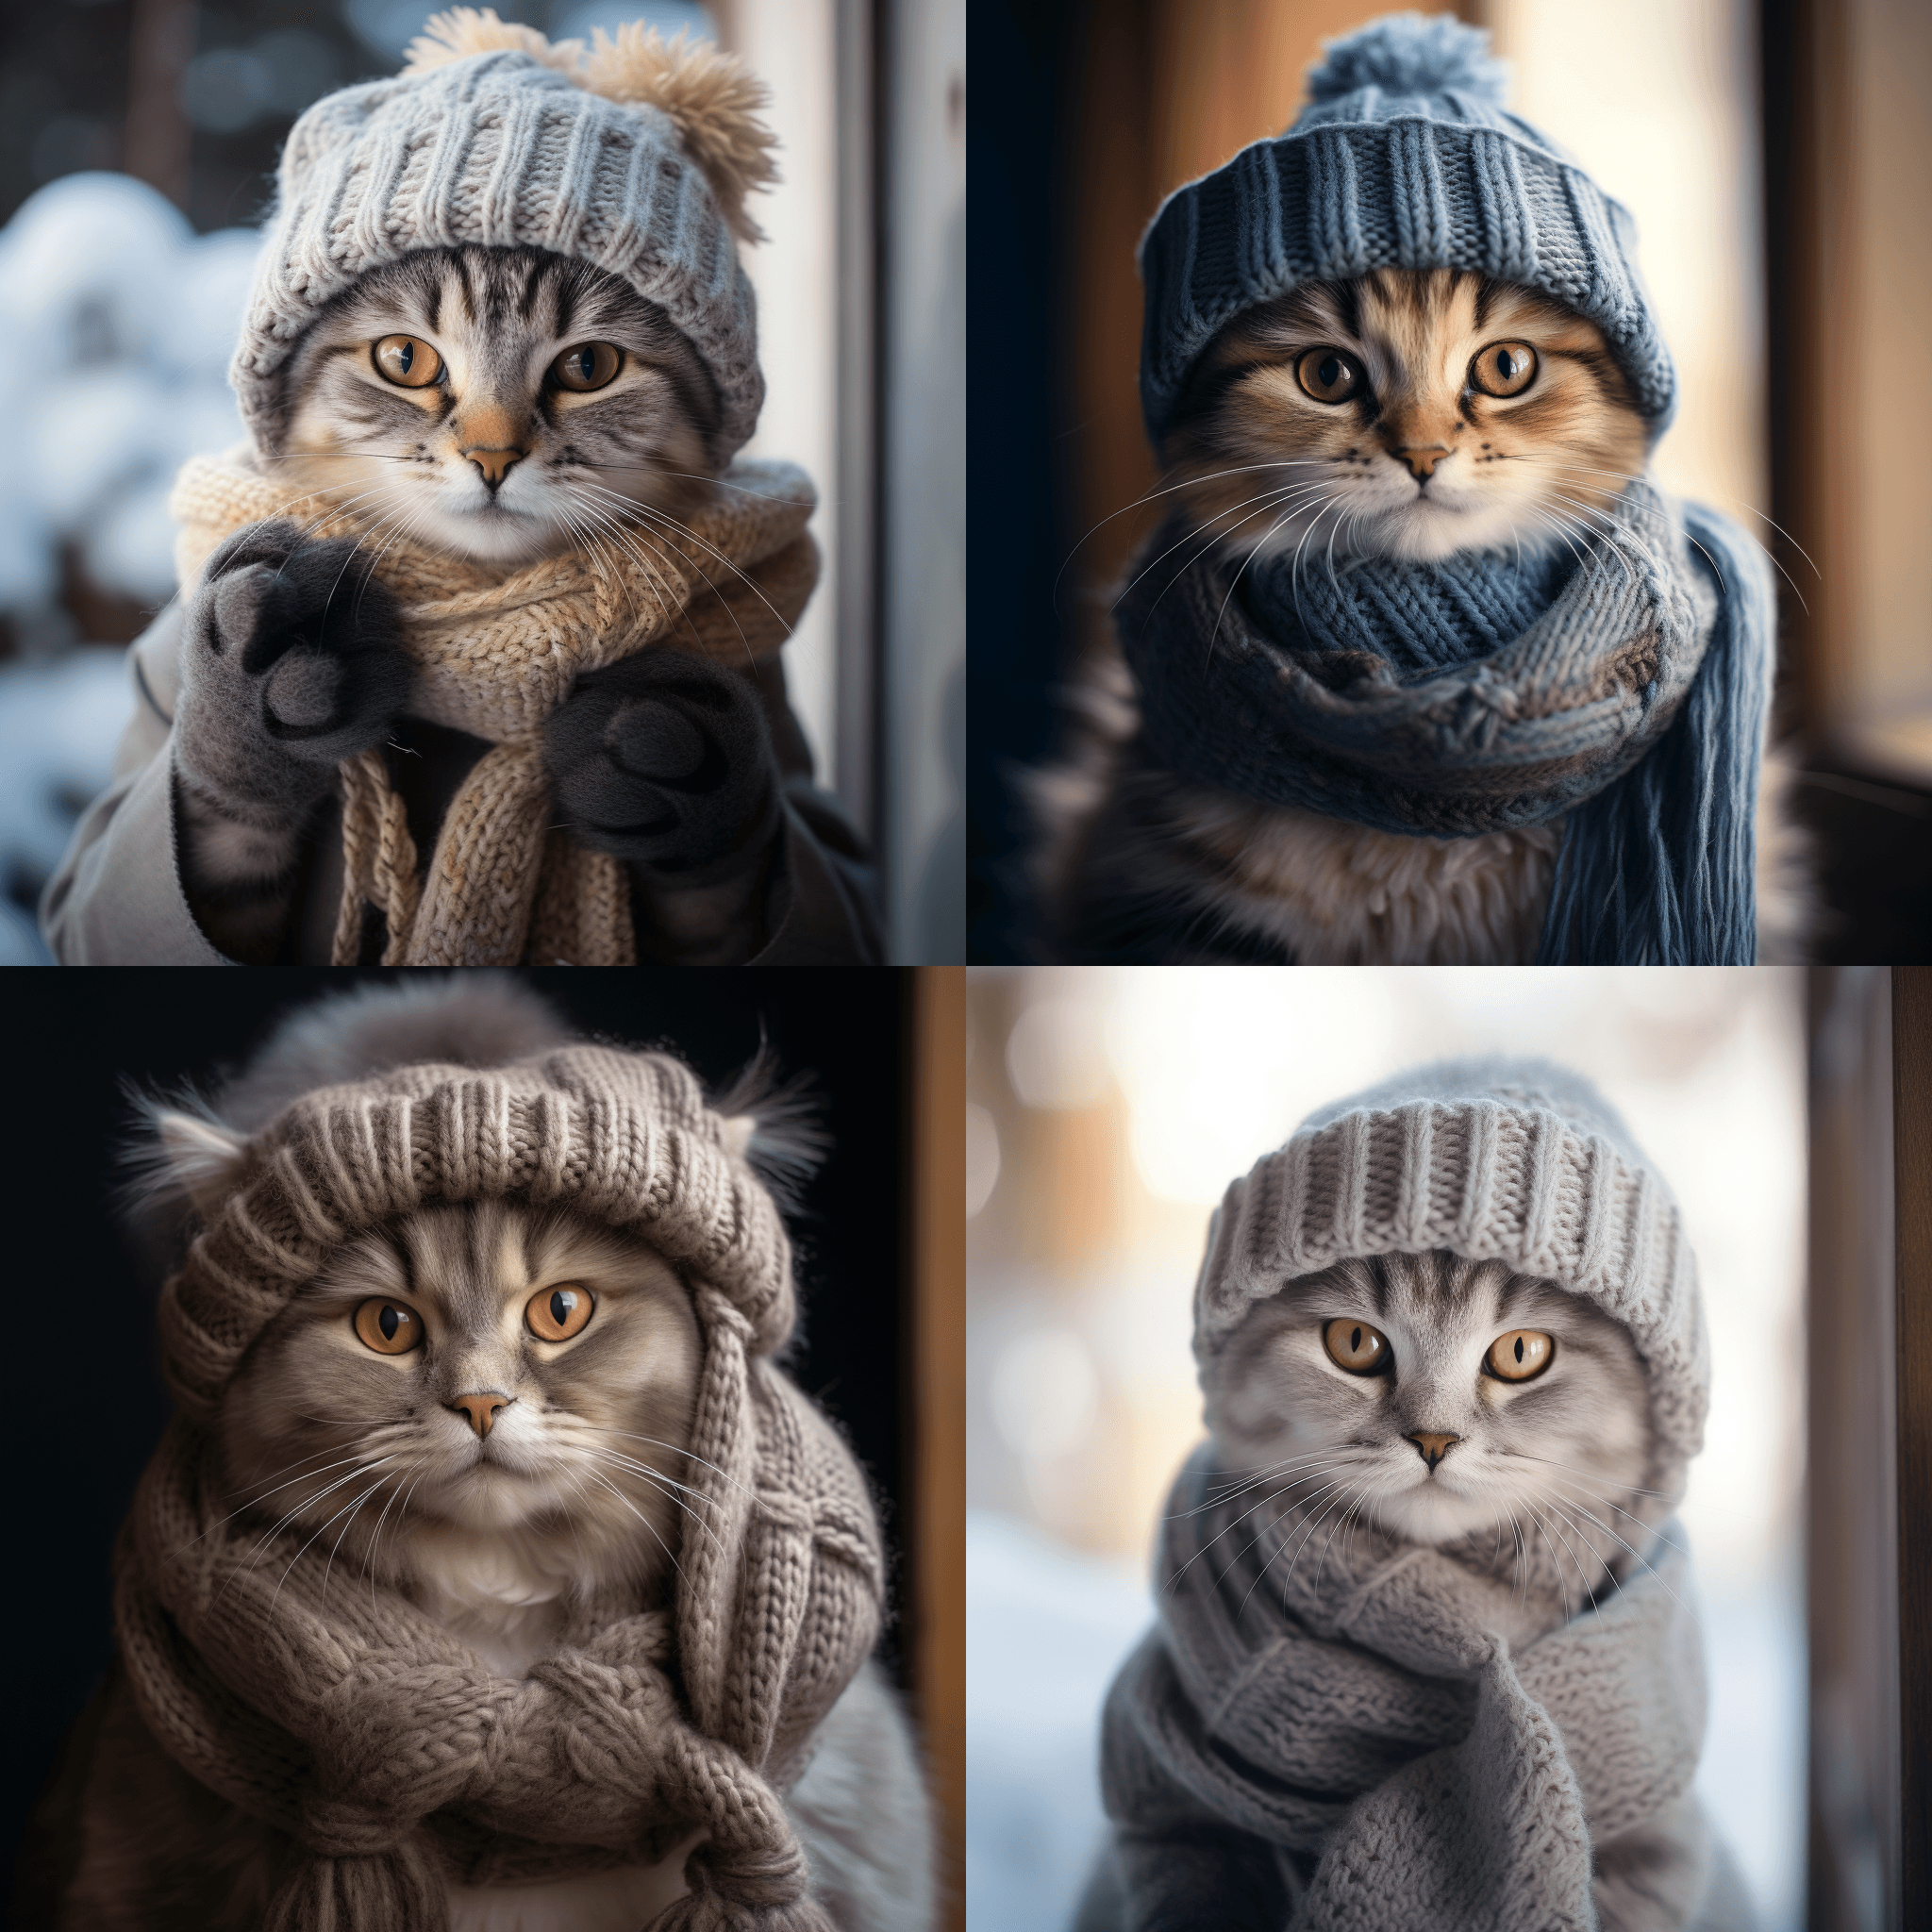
x=1622, y=686
x=496, y=652
x=1350, y=1704
x=392, y=1757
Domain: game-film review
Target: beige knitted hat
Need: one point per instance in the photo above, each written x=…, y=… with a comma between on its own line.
x=1510, y=1160
x=632, y=154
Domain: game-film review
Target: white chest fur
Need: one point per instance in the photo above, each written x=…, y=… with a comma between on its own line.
x=509, y=1616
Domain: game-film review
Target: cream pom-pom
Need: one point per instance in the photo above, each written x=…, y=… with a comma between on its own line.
x=708, y=97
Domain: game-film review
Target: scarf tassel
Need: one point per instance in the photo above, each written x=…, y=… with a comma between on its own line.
x=396, y=1887
x=744, y=1893
x=1659, y=868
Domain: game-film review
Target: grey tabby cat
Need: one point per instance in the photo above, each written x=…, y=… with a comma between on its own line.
x=484, y=1407
x=1452, y=1403
x=500, y=404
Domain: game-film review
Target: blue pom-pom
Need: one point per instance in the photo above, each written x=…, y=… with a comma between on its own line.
x=1410, y=53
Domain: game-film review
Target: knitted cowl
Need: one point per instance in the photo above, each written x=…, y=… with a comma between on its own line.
x=1361, y=1712
x=495, y=654
x=1623, y=686
x=395, y=1760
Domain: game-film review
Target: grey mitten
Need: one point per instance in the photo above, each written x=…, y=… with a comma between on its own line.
x=292, y=662
x=664, y=760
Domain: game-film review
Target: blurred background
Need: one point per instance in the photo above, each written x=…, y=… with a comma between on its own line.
x=138, y=145
x=1790, y=335
x=1108, y=1110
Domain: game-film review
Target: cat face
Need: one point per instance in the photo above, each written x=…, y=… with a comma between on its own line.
x=1407, y=414
x=500, y=404
x=1445, y=1399
x=488, y=1372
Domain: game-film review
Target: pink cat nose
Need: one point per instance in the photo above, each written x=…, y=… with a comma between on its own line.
x=494, y=463
x=1431, y=1445
x=1422, y=458
x=481, y=1409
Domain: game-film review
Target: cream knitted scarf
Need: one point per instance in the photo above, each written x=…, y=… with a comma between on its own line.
x=495, y=655
x=392, y=1758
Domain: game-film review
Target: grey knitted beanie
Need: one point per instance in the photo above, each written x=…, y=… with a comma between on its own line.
x=632, y=154
x=1404, y=158
x=1517, y=1162
x=621, y=1136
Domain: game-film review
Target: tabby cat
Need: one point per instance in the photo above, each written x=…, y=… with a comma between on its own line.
x=486, y=1407
x=1462, y=1406
x=502, y=404
x=1406, y=415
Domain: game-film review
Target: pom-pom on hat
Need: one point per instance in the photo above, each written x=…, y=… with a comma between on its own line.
x=1517, y=1162
x=1405, y=156
x=633, y=154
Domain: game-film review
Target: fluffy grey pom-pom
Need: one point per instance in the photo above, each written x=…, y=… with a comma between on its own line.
x=1410, y=53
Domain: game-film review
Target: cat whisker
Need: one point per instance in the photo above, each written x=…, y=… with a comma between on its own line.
x=670, y=1554
x=690, y=1456
x=300, y=1553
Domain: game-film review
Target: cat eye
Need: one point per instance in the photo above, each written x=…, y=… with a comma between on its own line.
x=406, y=362
x=1520, y=1355
x=1356, y=1347
x=389, y=1327
x=1329, y=375
x=590, y=365
x=554, y=1314
x=1504, y=369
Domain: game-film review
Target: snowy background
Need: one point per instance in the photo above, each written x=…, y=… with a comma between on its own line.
x=1107, y=1112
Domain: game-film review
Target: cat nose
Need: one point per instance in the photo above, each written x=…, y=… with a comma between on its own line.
x=494, y=463
x=1422, y=458
x=1431, y=1445
x=481, y=1409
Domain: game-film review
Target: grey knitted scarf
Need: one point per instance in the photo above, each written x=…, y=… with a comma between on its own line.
x=1357, y=1711
x=1621, y=683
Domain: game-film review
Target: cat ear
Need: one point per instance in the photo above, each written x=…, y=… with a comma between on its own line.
x=195, y=1156
x=711, y=98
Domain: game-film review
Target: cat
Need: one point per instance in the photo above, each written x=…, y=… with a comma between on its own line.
x=487, y=1408
x=1406, y=414
x=1465, y=1407
x=501, y=404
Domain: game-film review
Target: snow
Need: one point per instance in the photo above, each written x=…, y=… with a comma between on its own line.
x=116, y=324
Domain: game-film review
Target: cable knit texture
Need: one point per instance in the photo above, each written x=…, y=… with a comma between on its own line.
x=1623, y=686
x=501, y=149
x=346, y=1718
x=494, y=655
x=1361, y=1714
x=1404, y=158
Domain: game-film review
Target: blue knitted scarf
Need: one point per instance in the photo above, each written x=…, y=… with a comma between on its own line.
x=1620, y=686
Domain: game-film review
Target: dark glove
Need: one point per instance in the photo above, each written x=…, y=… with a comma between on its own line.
x=664, y=760
x=292, y=662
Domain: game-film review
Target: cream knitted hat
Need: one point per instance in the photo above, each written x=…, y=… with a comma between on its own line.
x=1510, y=1160
x=632, y=154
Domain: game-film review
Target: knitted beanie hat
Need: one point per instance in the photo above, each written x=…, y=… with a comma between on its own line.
x=1404, y=158
x=634, y=155
x=1517, y=1162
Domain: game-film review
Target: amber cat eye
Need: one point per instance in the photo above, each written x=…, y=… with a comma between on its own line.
x=554, y=1314
x=1356, y=1347
x=406, y=362
x=590, y=365
x=389, y=1327
x=1328, y=374
x=1519, y=1355
x=1504, y=369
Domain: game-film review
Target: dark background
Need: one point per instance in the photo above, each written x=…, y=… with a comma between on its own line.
x=86, y=1401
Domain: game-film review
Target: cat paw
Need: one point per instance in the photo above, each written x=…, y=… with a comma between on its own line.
x=664, y=760
x=293, y=656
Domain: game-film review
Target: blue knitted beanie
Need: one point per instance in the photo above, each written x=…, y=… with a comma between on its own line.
x=1404, y=158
